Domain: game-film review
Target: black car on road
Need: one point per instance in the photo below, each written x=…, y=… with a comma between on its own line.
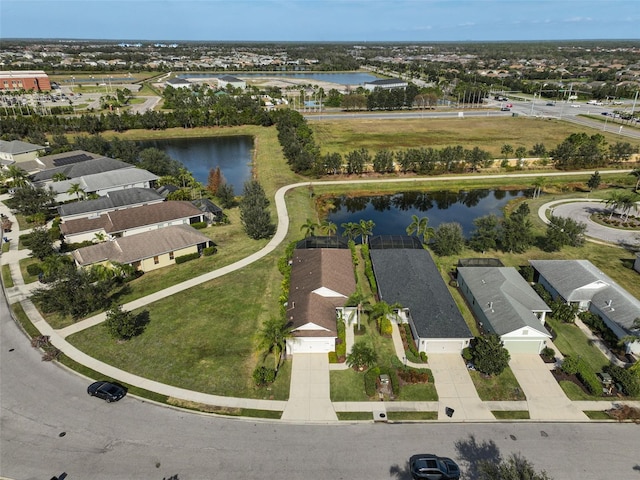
x=111, y=392
x=427, y=466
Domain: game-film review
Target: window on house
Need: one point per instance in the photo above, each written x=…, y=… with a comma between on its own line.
x=156, y=260
x=170, y=255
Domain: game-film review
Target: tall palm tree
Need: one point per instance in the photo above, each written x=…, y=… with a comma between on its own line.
x=309, y=228
x=58, y=177
x=627, y=203
x=328, y=227
x=420, y=226
x=364, y=229
x=351, y=230
x=613, y=201
x=76, y=189
x=538, y=184
x=273, y=338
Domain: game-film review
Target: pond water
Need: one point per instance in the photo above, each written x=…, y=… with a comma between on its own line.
x=232, y=154
x=343, y=78
x=392, y=213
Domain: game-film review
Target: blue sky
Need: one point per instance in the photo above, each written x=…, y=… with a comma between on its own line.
x=321, y=20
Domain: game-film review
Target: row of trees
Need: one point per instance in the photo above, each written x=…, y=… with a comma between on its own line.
x=580, y=150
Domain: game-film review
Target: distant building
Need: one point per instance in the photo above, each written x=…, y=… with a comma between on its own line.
x=35, y=80
x=226, y=80
x=385, y=84
x=178, y=83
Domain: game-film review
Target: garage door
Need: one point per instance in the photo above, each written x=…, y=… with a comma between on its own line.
x=444, y=346
x=524, y=346
x=310, y=345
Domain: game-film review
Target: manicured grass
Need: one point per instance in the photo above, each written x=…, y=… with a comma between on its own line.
x=597, y=415
x=24, y=321
x=574, y=392
x=572, y=342
x=24, y=263
x=6, y=246
x=503, y=387
x=347, y=386
x=201, y=339
x=7, y=280
x=490, y=134
x=418, y=392
x=354, y=416
x=511, y=415
x=403, y=416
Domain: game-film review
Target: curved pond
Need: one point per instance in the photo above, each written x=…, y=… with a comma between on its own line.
x=392, y=213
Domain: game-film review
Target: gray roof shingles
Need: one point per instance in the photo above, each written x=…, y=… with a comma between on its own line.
x=111, y=201
x=410, y=277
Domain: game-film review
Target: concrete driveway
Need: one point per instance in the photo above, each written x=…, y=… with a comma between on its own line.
x=545, y=399
x=309, y=397
x=456, y=389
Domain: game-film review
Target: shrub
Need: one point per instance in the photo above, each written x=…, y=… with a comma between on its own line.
x=341, y=344
x=570, y=365
x=384, y=326
x=410, y=343
x=414, y=375
x=198, y=225
x=527, y=273
x=333, y=357
x=186, y=258
x=543, y=293
x=580, y=368
x=207, y=252
x=423, y=357
x=370, y=379
x=34, y=269
x=626, y=378
x=467, y=354
x=548, y=352
x=264, y=376
x=368, y=267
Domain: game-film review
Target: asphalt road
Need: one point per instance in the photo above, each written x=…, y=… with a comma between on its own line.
x=50, y=426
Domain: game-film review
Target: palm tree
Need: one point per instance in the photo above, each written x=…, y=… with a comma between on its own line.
x=59, y=177
x=309, y=228
x=273, y=338
x=99, y=237
x=351, y=230
x=76, y=189
x=628, y=202
x=364, y=229
x=506, y=150
x=538, y=184
x=328, y=227
x=362, y=356
x=613, y=201
x=420, y=226
x=17, y=176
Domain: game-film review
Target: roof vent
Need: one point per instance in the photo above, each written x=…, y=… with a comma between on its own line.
x=609, y=303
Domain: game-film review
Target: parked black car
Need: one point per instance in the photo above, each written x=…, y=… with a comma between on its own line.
x=111, y=392
x=427, y=466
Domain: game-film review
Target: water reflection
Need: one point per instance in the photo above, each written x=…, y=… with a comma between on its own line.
x=392, y=213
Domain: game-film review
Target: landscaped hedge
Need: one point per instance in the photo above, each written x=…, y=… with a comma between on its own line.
x=341, y=344
x=410, y=343
x=186, y=258
x=198, y=225
x=207, y=252
x=626, y=378
x=371, y=378
x=368, y=268
x=384, y=326
x=34, y=269
x=578, y=367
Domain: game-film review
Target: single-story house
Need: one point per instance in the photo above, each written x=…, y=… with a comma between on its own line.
x=131, y=221
x=16, y=151
x=581, y=283
x=92, y=166
x=146, y=251
x=227, y=80
x=321, y=281
x=58, y=160
x=102, y=183
x=116, y=200
x=505, y=304
x=409, y=277
x=385, y=84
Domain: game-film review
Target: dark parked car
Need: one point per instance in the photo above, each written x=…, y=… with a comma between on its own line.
x=111, y=392
x=427, y=466
x=505, y=109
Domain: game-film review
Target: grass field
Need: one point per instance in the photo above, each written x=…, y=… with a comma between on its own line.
x=490, y=134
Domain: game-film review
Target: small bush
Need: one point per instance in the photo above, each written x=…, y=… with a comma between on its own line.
x=467, y=354
x=626, y=378
x=543, y=294
x=410, y=343
x=264, y=376
x=527, y=273
x=207, y=252
x=333, y=357
x=186, y=258
x=384, y=326
x=414, y=375
x=570, y=365
x=548, y=352
x=198, y=225
x=34, y=269
x=423, y=357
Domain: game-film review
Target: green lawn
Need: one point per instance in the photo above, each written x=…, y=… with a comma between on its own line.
x=403, y=416
x=571, y=341
x=6, y=276
x=24, y=263
x=503, y=387
x=511, y=414
x=347, y=386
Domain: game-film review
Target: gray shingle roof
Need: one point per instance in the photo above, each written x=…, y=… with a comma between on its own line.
x=138, y=247
x=411, y=278
x=111, y=179
x=65, y=158
x=91, y=166
x=507, y=300
x=16, y=147
x=581, y=280
x=111, y=201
